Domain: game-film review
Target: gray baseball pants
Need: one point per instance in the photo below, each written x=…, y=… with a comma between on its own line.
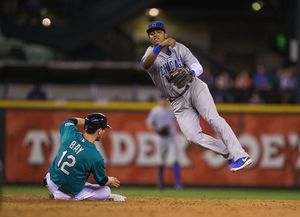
x=197, y=100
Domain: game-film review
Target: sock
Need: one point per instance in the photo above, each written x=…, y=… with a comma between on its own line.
x=176, y=172
x=161, y=176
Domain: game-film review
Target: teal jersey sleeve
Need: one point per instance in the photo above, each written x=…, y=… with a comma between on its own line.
x=98, y=170
x=68, y=128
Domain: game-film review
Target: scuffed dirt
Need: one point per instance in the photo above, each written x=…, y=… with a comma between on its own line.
x=41, y=206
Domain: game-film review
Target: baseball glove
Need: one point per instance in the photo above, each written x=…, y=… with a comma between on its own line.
x=164, y=131
x=179, y=77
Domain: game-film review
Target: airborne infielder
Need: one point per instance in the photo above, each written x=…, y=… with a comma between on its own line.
x=175, y=70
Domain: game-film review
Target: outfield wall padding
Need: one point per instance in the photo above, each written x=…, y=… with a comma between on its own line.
x=272, y=139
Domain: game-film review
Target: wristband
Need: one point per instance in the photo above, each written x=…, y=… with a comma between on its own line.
x=157, y=49
x=193, y=73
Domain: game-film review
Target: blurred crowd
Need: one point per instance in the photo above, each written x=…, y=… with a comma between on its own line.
x=260, y=86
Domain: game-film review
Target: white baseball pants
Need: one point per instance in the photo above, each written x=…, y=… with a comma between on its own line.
x=89, y=192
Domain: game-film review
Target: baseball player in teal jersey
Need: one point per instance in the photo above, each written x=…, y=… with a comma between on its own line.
x=77, y=158
x=191, y=100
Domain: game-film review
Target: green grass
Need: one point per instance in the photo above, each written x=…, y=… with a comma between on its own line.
x=199, y=192
x=214, y=193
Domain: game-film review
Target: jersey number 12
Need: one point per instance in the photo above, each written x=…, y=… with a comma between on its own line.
x=64, y=164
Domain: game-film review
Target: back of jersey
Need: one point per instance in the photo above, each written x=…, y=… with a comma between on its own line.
x=75, y=160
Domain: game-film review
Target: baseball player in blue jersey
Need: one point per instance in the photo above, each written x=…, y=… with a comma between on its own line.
x=174, y=71
x=77, y=158
x=161, y=120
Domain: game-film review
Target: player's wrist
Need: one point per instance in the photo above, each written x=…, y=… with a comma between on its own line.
x=109, y=180
x=157, y=49
x=193, y=73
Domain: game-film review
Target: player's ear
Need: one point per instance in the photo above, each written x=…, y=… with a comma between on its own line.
x=100, y=132
x=166, y=35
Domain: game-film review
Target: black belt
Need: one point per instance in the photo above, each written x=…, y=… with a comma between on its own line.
x=68, y=193
x=174, y=98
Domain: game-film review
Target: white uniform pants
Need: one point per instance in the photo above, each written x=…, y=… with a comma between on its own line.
x=197, y=100
x=89, y=192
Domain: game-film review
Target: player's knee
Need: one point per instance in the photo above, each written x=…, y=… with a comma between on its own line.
x=106, y=191
x=215, y=122
x=193, y=137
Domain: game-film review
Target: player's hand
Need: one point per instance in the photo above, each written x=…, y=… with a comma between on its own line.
x=168, y=42
x=114, y=182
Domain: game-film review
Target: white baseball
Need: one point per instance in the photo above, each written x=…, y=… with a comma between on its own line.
x=46, y=22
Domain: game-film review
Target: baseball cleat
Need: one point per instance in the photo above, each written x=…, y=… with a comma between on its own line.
x=117, y=197
x=239, y=163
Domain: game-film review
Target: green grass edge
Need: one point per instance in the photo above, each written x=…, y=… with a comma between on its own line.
x=195, y=192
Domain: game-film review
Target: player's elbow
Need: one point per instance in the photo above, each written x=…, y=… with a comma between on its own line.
x=197, y=68
x=146, y=65
x=147, y=62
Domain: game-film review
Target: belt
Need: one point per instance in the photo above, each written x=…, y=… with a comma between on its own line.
x=183, y=92
x=68, y=193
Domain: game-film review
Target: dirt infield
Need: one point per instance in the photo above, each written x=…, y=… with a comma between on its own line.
x=34, y=206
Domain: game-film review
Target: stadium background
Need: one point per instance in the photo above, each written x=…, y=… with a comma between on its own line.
x=62, y=58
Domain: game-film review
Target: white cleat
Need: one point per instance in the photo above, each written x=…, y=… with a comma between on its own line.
x=117, y=197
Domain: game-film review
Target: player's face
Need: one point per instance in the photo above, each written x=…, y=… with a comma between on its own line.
x=157, y=36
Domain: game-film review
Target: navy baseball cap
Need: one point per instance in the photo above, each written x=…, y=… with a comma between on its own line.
x=94, y=121
x=156, y=25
